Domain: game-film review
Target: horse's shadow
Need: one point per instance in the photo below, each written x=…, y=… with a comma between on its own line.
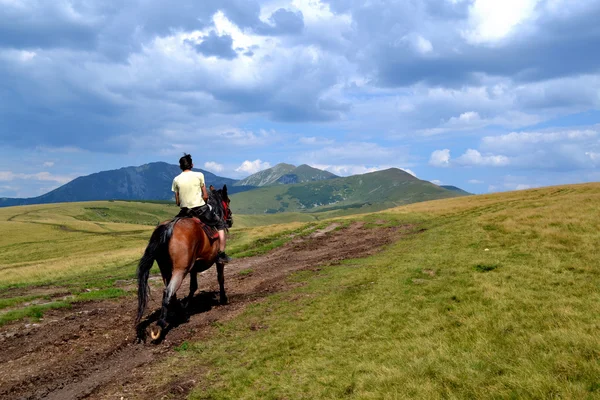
x=179, y=313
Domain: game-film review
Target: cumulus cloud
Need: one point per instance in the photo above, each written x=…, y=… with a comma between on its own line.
x=474, y=158
x=213, y=166
x=510, y=182
x=252, y=167
x=552, y=149
x=148, y=77
x=516, y=142
x=492, y=21
x=471, y=157
x=357, y=153
x=440, y=158
x=7, y=176
x=409, y=171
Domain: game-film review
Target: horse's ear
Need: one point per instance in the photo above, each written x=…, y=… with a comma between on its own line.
x=225, y=189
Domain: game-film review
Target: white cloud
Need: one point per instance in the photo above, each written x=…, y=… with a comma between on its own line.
x=509, y=186
x=474, y=158
x=239, y=137
x=356, y=169
x=555, y=149
x=356, y=153
x=436, y=182
x=346, y=170
x=48, y=164
x=440, y=158
x=315, y=141
x=213, y=166
x=252, y=167
x=466, y=117
x=423, y=45
x=519, y=142
x=475, y=181
x=409, y=171
x=40, y=176
x=493, y=20
x=593, y=156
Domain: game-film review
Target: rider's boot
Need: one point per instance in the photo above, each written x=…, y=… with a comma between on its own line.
x=223, y=258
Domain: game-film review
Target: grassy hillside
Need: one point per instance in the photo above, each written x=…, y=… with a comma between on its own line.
x=66, y=249
x=387, y=188
x=495, y=297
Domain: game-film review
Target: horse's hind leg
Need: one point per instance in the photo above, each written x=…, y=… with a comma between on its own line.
x=168, y=295
x=221, y=278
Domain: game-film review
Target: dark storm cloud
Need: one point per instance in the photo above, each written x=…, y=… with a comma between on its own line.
x=97, y=77
x=114, y=28
x=557, y=47
x=286, y=99
x=218, y=46
x=283, y=22
x=46, y=24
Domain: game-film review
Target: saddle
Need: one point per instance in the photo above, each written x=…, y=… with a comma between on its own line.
x=210, y=231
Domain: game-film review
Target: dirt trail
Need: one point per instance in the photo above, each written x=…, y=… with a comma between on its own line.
x=90, y=351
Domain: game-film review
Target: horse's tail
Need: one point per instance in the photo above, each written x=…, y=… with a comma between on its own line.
x=159, y=239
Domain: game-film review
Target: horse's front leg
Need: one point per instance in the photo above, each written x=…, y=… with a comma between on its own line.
x=221, y=278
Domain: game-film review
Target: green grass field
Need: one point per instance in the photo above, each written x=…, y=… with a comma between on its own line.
x=56, y=253
x=498, y=297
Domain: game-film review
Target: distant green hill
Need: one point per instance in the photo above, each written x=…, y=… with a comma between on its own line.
x=389, y=188
x=456, y=189
x=286, y=174
x=147, y=182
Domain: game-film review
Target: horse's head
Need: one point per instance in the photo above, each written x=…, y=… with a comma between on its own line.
x=223, y=200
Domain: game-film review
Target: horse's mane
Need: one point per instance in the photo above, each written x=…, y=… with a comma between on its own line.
x=216, y=201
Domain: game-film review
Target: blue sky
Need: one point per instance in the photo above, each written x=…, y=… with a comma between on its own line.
x=482, y=94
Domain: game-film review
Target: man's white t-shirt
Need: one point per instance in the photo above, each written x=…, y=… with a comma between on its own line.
x=189, y=186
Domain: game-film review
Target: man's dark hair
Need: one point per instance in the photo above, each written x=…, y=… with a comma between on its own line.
x=185, y=162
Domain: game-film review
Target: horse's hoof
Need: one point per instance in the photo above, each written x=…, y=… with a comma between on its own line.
x=223, y=300
x=155, y=332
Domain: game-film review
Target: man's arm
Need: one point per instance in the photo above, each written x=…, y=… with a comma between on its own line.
x=175, y=189
x=204, y=193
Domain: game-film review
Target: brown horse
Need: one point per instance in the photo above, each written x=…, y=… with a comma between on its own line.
x=181, y=246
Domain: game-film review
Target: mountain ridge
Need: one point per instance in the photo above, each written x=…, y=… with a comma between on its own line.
x=285, y=174
x=389, y=187
x=150, y=181
x=286, y=188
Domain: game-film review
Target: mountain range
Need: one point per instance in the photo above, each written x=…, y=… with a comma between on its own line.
x=387, y=188
x=147, y=182
x=281, y=188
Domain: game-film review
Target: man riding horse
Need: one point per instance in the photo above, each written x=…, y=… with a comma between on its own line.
x=191, y=195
